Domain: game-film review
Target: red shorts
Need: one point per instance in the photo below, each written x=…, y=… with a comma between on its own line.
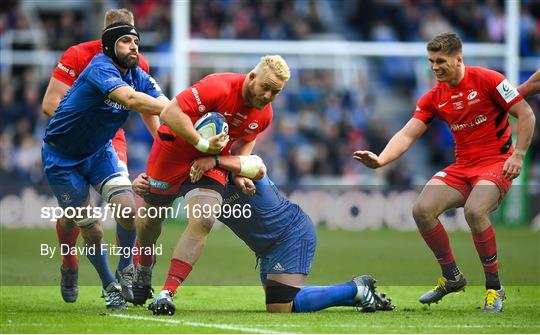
x=168, y=172
x=120, y=146
x=464, y=176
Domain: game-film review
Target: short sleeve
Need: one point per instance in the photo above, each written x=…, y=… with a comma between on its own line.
x=501, y=90
x=148, y=85
x=105, y=77
x=202, y=97
x=424, y=109
x=65, y=70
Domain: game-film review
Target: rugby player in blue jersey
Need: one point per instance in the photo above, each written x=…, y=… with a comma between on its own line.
x=283, y=237
x=77, y=150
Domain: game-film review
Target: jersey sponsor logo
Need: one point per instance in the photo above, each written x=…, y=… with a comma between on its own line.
x=472, y=95
x=455, y=96
x=67, y=70
x=442, y=105
x=161, y=185
x=114, y=104
x=479, y=119
x=458, y=105
x=507, y=91
x=195, y=92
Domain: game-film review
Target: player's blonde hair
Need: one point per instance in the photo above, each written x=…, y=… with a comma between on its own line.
x=448, y=43
x=118, y=15
x=276, y=64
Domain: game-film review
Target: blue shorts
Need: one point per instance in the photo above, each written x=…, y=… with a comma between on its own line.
x=70, y=179
x=294, y=251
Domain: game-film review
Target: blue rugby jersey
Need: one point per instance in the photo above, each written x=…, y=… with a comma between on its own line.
x=87, y=118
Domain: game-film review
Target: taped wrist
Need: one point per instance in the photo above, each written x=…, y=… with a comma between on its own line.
x=202, y=145
x=250, y=166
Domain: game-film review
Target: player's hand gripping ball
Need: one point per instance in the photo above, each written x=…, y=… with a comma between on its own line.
x=211, y=124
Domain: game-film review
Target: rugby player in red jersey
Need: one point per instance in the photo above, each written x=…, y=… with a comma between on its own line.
x=71, y=64
x=475, y=103
x=244, y=100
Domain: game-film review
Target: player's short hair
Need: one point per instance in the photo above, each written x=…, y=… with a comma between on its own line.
x=276, y=64
x=118, y=15
x=449, y=43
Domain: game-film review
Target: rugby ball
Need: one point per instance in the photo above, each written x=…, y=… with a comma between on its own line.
x=210, y=124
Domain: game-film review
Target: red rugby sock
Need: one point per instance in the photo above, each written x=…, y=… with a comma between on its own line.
x=178, y=272
x=68, y=236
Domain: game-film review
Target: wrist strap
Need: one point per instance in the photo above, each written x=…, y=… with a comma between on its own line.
x=216, y=158
x=202, y=145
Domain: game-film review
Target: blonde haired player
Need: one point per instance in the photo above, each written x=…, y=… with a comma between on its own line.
x=245, y=102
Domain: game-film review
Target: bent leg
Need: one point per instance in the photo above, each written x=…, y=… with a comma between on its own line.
x=436, y=198
x=483, y=200
x=192, y=241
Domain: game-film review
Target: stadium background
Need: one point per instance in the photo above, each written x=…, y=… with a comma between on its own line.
x=333, y=105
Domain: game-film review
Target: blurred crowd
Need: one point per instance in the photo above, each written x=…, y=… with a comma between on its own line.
x=318, y=123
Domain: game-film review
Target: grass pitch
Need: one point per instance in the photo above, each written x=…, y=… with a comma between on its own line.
x=223, y=294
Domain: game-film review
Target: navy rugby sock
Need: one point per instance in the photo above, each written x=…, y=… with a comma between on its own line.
x=315, y=298
x=125, y=238
x=100, y=262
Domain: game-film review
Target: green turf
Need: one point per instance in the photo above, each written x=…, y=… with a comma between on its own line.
x=399, y=260
x=240, y=310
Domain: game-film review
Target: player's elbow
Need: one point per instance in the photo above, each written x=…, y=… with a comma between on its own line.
x=165, y=114
x=262, y=172
x=47, y=108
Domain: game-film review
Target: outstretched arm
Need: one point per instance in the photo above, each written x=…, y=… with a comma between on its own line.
x=531, y=86
x=152, y=121
x=138, y=101
x=399, y=143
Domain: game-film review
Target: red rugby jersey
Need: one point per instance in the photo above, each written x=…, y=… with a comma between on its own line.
x=222, y=93
x=476, y=110
x=75, y=59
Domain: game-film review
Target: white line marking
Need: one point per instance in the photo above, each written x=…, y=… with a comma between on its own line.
x=198, y=324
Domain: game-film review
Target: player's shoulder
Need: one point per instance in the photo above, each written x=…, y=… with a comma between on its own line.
x=225, y=79
x=479, y=73
x=90, y=48
x=433, y=94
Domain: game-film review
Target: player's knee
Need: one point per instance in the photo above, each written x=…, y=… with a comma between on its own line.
x=474, y=214
x=92, y=234
x=422, y=213
x=279, y=308
x=279, y=297
x=203, y=224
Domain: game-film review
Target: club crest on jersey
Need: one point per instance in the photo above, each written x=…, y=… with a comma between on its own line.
x=472, y=95
x=66, y=198
x=253, y=125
